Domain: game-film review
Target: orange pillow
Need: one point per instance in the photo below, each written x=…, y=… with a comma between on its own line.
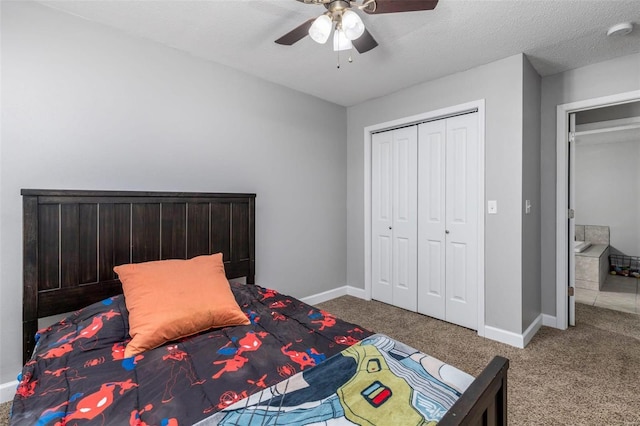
x=171, y=299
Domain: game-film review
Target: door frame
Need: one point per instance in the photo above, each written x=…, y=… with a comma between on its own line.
x=442, y=113
x=563, y=191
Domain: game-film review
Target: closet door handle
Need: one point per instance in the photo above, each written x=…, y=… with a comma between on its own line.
x=446, y=231
x=390, y=228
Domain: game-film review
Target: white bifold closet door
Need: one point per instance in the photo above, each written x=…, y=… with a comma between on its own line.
x=394, y=217
x=448, y=219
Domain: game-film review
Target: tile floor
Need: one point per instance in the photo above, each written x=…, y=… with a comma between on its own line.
x=618, y=293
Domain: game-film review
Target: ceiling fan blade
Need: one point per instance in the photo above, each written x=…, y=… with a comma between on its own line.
x=393, y=6
x=365, y=42
x=296, y=34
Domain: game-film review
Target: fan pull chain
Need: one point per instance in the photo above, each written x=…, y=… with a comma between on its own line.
x=338, y=33
x=350, y=58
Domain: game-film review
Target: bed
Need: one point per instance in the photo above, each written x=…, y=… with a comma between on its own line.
x=77, y=373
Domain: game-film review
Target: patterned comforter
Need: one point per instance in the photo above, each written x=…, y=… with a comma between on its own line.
x=377, y=381
x=78, y=374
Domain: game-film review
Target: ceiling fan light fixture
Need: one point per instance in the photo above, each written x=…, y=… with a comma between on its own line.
x=340, y=41
x=320, y=30
x=352, y=25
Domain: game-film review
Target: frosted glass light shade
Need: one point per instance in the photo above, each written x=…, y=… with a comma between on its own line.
x=340, y=41
x=352, y=25
x=320, y=29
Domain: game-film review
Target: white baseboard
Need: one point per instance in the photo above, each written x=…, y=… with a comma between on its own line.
x=511, y=338
x=314, y=299
x=7, y=391
x=493, y=333
x=549, y=321
x=504, y=336
x=532, y=330
x=332, y=294
x=357, y=292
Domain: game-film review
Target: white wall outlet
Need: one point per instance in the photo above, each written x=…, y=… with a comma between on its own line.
x=492, y=207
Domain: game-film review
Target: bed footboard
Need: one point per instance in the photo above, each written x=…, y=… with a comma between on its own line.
x=485, y=401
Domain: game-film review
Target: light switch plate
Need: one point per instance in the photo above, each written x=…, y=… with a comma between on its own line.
x=527, y=206
x=492, y=207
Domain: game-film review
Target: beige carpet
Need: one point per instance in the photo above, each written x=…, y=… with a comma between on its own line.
x=587, y=375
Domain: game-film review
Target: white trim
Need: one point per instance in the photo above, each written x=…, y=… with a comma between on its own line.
x=480, y=106
x=511, y=338
x=325, y=295
x=481, y=222
x=562, y=180
x=532, y=330
x=549, y=320
x=504, y=336
x=7, y=391
x=334, y=293
x=367, y=212
x=360, y=293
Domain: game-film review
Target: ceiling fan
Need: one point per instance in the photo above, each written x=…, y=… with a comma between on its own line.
x=349, y=28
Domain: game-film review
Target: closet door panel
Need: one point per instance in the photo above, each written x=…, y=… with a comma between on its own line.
x=402, y=251
x=457, y=255
x=405, y=208
x=382, y=261
x=461, y=220
x=431, y=286
x=424, y=218
x=381, y=217
x=457, y=177
x=431, y=219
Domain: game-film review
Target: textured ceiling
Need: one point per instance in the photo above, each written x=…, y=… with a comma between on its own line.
x=556, y=35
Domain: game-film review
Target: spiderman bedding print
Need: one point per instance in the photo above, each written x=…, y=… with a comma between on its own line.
x=78, y=373
x=376, y=381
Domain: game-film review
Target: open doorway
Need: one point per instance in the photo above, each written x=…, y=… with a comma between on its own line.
x=566, y=194
x=606, y=181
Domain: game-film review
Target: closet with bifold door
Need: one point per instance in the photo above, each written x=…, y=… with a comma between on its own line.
x=425, y=205
x=394, y=217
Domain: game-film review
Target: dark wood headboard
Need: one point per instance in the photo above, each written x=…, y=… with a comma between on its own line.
x=73, y=239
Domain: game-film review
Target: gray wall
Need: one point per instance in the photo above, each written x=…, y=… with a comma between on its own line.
x=613, y=112
x=86, y=107
x=607, y=189
x=531, y=303
x=602, y=79
x=500, y=84
x=608, y=178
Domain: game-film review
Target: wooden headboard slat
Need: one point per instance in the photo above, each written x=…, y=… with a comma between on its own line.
x=220, y=225
x=173, y=241
x=198, y=234
x=145, y=232
x=73, y=298
x=73, y=239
